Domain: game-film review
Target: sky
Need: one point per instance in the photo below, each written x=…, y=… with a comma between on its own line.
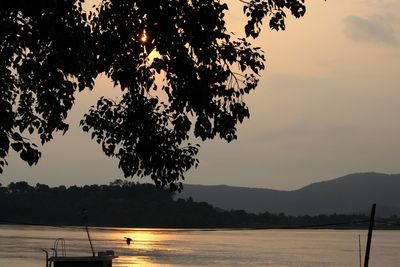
x=326, y=106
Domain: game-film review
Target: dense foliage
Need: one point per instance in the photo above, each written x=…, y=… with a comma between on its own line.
x=128, y=204
x=181, y=72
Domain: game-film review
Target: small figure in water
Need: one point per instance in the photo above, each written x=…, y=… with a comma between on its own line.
x=128, y=240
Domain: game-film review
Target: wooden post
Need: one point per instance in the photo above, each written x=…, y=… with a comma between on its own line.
x=370, y=229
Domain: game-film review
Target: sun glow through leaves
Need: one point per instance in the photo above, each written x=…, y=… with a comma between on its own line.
x=143, y=37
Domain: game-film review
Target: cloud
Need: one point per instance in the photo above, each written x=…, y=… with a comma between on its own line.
x=376, y=29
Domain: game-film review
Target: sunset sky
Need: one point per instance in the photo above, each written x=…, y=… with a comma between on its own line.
x=327, y=105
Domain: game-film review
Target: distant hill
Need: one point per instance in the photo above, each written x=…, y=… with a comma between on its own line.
x=350, y=194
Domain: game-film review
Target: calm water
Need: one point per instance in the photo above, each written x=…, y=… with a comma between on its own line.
x=21, y=246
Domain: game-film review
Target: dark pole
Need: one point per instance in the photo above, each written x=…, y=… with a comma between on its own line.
x=359, y=248
x=47, y=257
x=371, y=228
x=90, y=241
x=84, y=215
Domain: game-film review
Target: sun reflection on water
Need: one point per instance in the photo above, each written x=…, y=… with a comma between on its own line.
x=129, y=261
x=146, y=245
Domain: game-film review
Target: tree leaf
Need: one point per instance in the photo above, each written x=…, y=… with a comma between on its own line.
x=17, y=146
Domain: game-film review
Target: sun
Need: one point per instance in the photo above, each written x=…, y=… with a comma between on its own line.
x=143, y=37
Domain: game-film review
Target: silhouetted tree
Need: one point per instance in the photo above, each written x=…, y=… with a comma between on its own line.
x=51, y=49
x=275, y=10
x=20, y=187
x=42, y=187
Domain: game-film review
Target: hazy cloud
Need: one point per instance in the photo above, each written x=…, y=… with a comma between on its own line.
x=376, y=28
x=383, y=4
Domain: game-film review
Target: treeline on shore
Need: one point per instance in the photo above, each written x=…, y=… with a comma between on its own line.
x=127, y=204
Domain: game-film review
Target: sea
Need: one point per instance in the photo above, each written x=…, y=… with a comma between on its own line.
x=22, y=246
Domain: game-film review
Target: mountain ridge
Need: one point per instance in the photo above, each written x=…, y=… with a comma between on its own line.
x=349, y=194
